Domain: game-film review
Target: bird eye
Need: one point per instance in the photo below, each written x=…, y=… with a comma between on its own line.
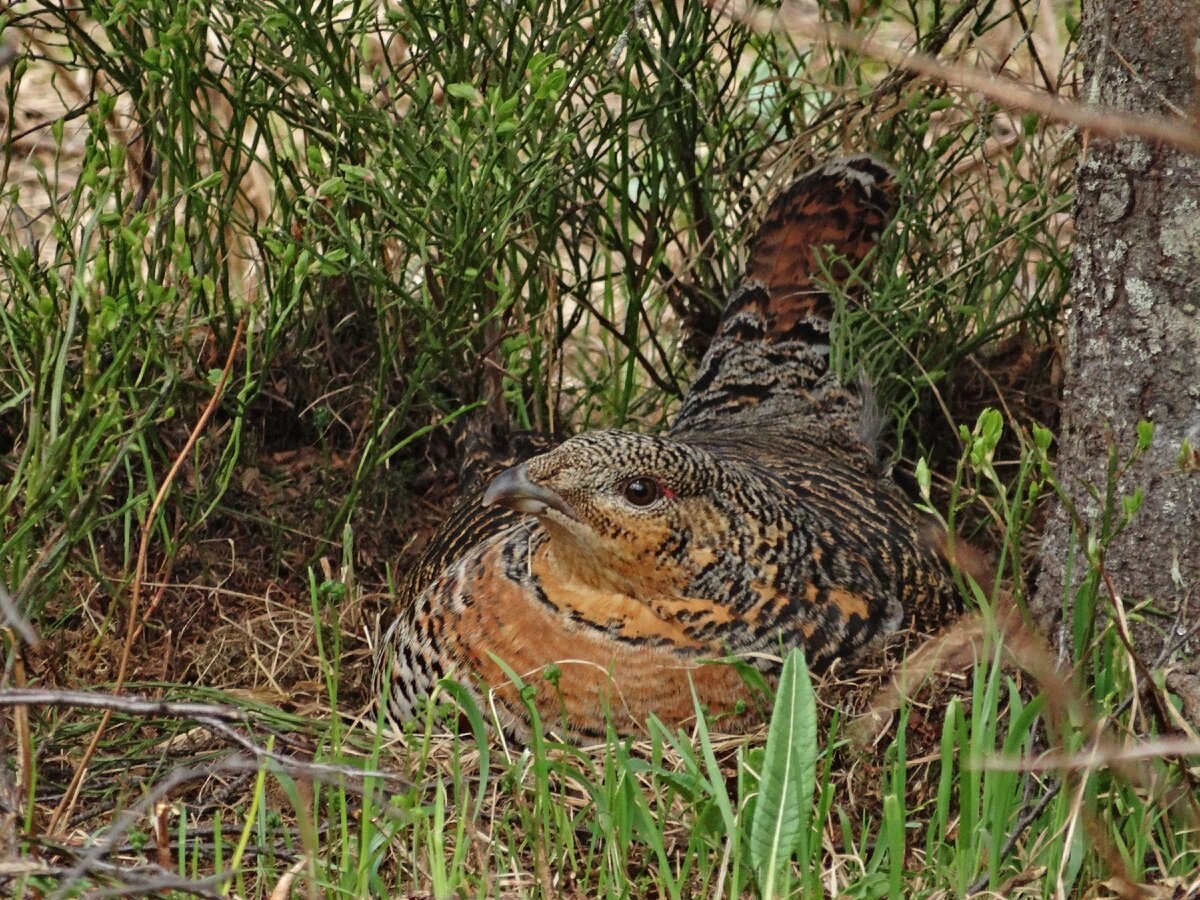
x=642, y=491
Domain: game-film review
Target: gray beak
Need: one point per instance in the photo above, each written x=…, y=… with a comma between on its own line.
x=513, y=489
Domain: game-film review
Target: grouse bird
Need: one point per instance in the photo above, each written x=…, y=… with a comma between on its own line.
x=608, y=571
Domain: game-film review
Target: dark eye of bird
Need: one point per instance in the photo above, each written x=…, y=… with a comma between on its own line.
x=641, y=491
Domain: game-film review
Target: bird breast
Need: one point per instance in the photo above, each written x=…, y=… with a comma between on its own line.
x=631, y=656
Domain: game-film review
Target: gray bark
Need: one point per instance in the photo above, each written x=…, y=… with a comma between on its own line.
x=1134, y=341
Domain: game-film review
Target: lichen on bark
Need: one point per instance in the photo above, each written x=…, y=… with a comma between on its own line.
x=1133, y=349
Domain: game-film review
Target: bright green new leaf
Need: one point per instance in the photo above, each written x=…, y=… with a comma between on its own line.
x=785, y=792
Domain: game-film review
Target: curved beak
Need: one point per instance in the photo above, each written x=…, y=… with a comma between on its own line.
x=514, y=489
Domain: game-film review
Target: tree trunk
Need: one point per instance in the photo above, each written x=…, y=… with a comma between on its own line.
x=1134, y=342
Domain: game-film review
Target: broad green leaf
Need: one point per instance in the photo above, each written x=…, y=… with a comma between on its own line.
x=785, y=792
x=464, y=91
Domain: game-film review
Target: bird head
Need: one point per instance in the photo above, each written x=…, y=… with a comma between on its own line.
x=622, y=510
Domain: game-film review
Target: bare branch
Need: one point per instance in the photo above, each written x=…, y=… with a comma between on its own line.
x=216, y=717
x=16, y=621
x=1098, y=756
x=1106, y=121
x=122, y=703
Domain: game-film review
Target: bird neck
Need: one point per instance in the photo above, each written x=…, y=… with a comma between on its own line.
x=578, y=556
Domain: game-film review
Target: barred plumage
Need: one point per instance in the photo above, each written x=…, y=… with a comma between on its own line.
x=757, y=523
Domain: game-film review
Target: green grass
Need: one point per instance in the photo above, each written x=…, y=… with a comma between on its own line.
x=410, y=210
x=674, y=814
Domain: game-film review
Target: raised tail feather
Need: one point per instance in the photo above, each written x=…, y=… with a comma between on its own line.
x=770, y=356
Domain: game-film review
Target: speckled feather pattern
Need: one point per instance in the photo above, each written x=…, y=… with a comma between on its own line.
x=768, y=524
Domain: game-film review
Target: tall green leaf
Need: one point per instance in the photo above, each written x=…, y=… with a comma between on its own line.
x=785, y=793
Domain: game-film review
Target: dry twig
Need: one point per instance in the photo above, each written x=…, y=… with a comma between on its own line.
x=1100, y=121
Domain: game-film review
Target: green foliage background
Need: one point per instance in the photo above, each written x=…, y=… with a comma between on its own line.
x=416, y=209
x=386, y=215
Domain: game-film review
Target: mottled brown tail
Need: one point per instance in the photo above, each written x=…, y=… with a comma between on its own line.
x=842, y=206
x=770, y=356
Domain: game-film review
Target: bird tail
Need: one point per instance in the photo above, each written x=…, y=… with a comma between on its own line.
x=770, y=356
